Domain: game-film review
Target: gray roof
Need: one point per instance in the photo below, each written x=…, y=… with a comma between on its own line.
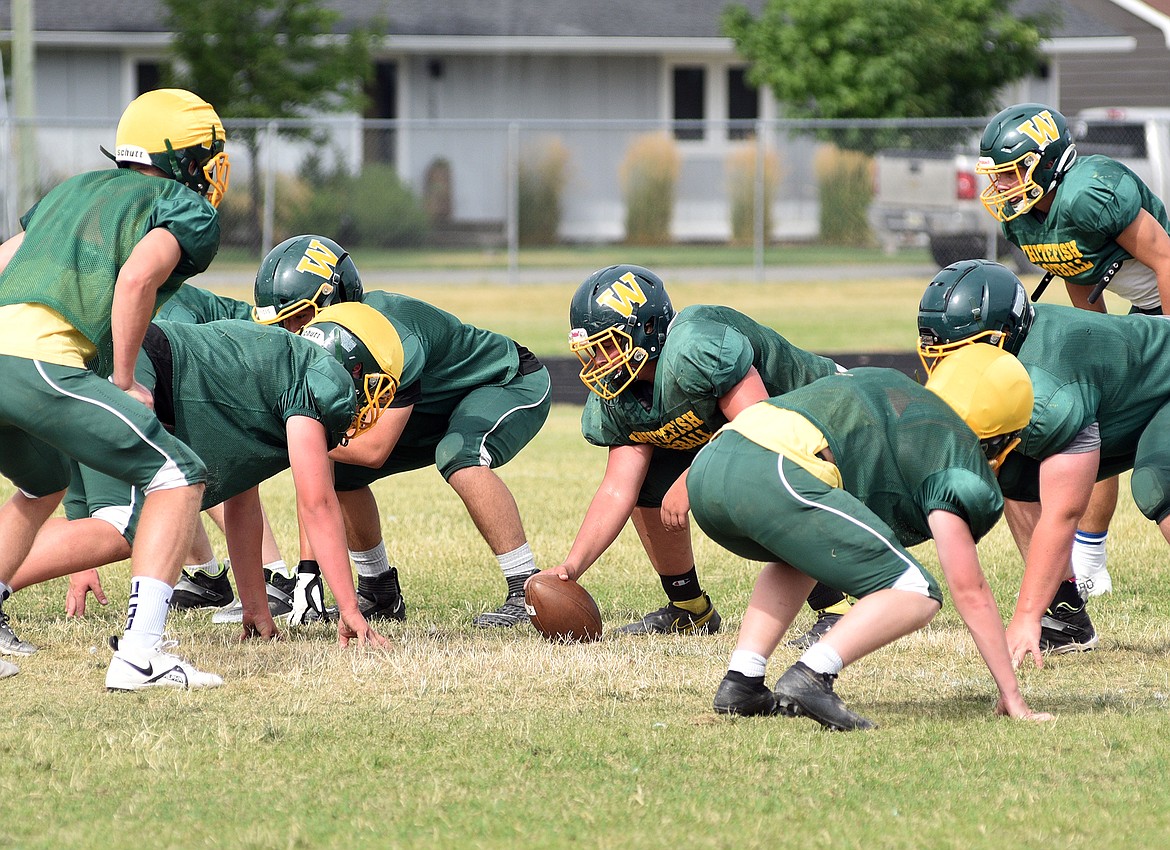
x=486, y=18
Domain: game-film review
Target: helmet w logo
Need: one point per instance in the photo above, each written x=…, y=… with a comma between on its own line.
x=624, y=296
x=318, y=260
x=1041, y=128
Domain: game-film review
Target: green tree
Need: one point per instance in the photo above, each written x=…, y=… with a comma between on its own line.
x=267, y=59
x=850, y=59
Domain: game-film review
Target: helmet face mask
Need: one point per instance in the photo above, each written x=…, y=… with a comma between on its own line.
x=303, y=275
x=991, y=391
x=1024, y=153
x=618, y=320
x=180, y=134
x=969, y=302
x=365, y=342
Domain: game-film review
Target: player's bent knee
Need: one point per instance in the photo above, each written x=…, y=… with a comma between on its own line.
x=452, y=455
x=1150, y=487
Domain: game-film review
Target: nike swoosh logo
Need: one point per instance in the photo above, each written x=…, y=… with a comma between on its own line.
x=147, y=671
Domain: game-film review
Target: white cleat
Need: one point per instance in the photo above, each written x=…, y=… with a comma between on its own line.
x=7, y=669
x=134, y=669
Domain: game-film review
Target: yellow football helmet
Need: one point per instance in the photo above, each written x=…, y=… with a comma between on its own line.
x=366, y=343
x=179, y=133
x=991, y=391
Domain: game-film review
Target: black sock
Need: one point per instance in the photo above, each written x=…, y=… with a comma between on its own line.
x=516, y=583
x=682, y=588
x=736, y=676
x=1067, y=595
x=384, y=586
x=309, y=567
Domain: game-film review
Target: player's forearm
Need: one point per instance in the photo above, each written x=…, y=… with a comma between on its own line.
x=1048, y=563
x=976, y=605
x=326, y=532
x=603, y=523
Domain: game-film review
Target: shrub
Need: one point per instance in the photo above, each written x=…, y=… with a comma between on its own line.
x=845, y=179
x=543, y=172
x=372, y=209
x=649, y=174
x=741, y=190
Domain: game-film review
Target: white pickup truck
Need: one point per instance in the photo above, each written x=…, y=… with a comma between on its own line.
x=932, y=197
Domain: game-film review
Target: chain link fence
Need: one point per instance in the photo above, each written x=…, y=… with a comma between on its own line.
x=509, y=185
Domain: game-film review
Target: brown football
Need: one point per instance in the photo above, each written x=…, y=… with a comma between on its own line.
x=562, y=611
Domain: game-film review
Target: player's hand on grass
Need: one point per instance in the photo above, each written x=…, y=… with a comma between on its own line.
x=1017, y=709
x=354, y=627
x=260, y=626
x=80, y=585
x=1023, y=639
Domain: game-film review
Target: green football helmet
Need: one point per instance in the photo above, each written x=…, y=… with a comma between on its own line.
x=968, y=302
x=1024, y=152
x=367, y=344
x=617, y=324
x=304, y=273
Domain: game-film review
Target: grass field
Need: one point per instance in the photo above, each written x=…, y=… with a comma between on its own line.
x=461, y=738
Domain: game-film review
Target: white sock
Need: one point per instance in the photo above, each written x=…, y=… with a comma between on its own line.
x=822, y=658
x=1088, y=554
x=5, y=591
x=147, y=612
x=518, y=562
x=280, y=568
x=212, y=567
x=371, y=562
x=748, y=663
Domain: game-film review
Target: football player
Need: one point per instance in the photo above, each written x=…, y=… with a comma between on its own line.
x=1102, y=385
x=661, y=386
x=1090, y=221
x=97, y=256
x=831, y=482
x=253, y=401
x=470, y=400
x=61, y=547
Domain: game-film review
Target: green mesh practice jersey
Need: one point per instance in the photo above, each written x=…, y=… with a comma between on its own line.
x=194, y=305
x=80, y=234
x=446, y=357
x=1076, y=240
x=1088, y=367
x=901, y=450
x=236, y=384
x=708, y=350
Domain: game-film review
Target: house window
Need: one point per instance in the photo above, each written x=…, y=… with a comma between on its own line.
x=690, y=104
x=743, y=103
x=383, y=104
x=147, y=77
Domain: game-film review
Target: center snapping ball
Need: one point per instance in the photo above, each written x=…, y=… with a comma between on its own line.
x=562, y=611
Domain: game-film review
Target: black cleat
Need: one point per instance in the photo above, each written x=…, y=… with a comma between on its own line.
x=380, y=597
x=10, y=644
x=746, y=699
x=1065, y=626
x=674, y=620
x=802, y=693
x=196, y=589
x=825, y=621
x=511, y=613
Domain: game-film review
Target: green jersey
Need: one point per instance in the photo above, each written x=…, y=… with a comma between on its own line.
x=444, y=358
x=900, y=449
x=80, y=235
x=234, y=386
x=1093, y=368
x=194, y=305
x=708, y=350
x=1077, y=238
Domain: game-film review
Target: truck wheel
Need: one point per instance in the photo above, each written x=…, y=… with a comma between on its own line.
x=945, y=250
